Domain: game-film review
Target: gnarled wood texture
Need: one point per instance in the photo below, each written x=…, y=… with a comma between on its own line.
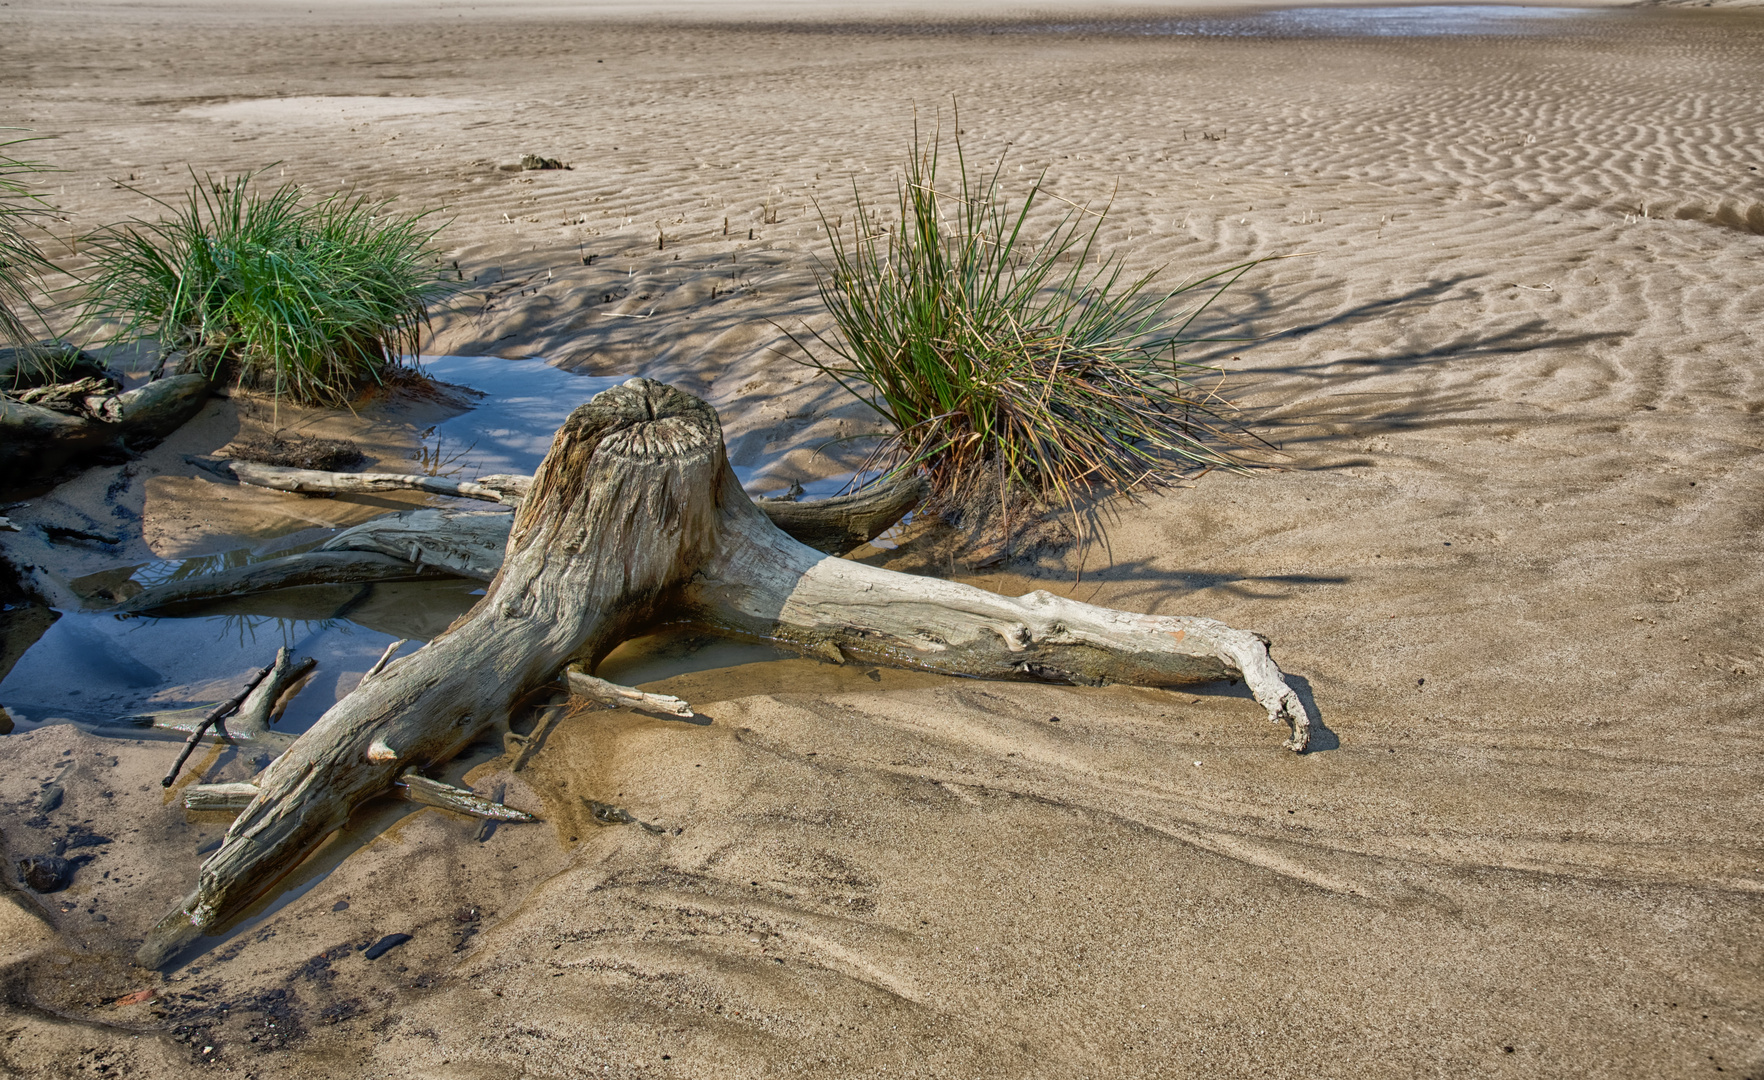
x=763, y=584
x=623, y=507
x=635, y=516
x=450, y=541
x=496, y=489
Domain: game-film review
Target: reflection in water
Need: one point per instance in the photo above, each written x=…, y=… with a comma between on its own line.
x=525, y=402
x=94, y=668
x=165, y=571
x=510, y=428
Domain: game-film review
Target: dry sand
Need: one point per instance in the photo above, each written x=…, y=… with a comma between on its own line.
x=1513, y=562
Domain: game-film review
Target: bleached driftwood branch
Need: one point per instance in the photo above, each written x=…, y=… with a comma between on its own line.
x=35, y=439
x=412, y=787
x=265, y=701
x=435, y=542
x=635, y=517
x=496, y=489
x=615, y=696
x=834, y=525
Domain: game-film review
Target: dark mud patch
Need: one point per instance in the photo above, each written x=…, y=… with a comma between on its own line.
x=213, y=1027
x=216, y=1026
x=299, y=452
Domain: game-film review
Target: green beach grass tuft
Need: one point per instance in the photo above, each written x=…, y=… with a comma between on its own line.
x=22, y=262
x=312, y=300
x=1021, y=375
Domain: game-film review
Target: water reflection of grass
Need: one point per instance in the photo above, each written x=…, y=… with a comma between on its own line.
x=437, y=460
x=266, y=632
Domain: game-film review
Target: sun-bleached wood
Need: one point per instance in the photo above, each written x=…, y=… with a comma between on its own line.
x=838, y=524
x=621, y=509
x=450, y=541
x=614, y=696
x=413, y=787
x=321, y=482
x=222, y=797
x=252, y=721
x=467, y=543
x=420, y=789
x=834, y=525
x=762, y=585
x=310, y=568
x=385, y=658
x=635, y=517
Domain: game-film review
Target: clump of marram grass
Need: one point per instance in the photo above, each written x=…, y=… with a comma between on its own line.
x=1020, y=375
x=22, y=262
x=308, y=299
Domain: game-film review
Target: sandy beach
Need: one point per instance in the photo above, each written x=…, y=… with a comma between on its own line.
x=1508, y=551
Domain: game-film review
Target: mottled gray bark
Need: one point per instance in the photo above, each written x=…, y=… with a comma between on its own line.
x=635, y=516
x=496, y=489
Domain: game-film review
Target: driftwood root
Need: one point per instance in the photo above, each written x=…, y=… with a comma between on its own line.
x=412, y=787
x=614, y=696
x=635, y=516
x=36, y=440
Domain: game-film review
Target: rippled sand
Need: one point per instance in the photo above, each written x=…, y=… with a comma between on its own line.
x=1513, y=559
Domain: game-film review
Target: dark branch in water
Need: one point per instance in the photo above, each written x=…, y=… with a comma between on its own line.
x=220, y=712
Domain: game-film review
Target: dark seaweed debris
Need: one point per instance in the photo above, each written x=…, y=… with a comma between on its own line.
x=385, y=945
x=45, y=873
x=299, y=452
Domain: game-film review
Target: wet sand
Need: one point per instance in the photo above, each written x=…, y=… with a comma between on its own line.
x=1511, y=558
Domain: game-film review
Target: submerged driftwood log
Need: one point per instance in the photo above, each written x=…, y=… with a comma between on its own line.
x=635, y=516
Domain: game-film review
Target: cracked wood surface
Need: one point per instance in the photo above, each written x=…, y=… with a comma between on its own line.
x=621, y=509
x=635, y=516
x=430, y=542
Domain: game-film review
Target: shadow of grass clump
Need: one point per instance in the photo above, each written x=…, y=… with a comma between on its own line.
x=312, y=300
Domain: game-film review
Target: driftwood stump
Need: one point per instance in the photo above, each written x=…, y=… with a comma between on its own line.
x=35, y=439
x=411, y=545
x=635, y=516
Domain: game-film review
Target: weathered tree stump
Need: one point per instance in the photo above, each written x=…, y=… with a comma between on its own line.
x=36, y=440
x=411, y=545
x=635, y=516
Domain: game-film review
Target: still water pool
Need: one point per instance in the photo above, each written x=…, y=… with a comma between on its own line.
x=96, y=668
